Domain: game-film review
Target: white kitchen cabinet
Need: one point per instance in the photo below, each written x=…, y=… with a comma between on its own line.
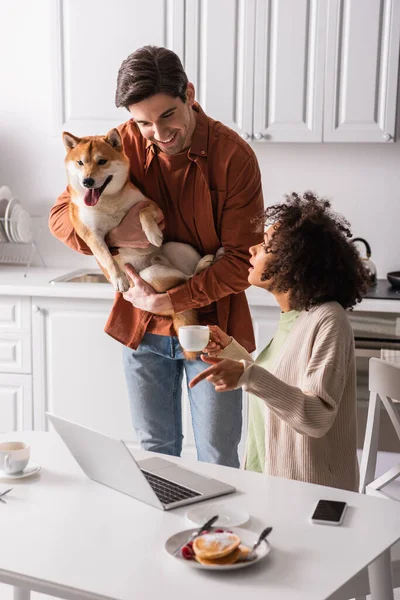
x=290, y=44
x=361, y=70
x=272, y=70
x=78, y=371
x=90, y=41
x=15, y=402
x=15, y=364
x=219, y=59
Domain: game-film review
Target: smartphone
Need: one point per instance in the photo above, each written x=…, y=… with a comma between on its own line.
x=329, y=512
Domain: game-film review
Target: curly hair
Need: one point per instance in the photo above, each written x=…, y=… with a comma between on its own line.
x=313, y=256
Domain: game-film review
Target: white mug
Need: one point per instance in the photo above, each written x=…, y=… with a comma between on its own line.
x=14, y=456
x=193, y=337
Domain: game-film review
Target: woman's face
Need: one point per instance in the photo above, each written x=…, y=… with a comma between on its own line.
x=259, y=260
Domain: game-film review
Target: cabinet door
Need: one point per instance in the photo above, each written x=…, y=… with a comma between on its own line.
x=219, y=59
x=15, y=402
x=361, y=70
x=77, y=368
x=90, y=41
x=289, y=70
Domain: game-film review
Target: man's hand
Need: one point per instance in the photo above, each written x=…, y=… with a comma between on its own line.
x=224, y=374
x=143, y=296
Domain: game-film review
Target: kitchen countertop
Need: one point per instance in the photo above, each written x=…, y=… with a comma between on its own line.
x=37, y=283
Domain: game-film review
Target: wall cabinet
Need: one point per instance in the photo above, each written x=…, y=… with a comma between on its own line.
x=362, y=66
x=85, y=71
x=297, y=70
x=272, y=70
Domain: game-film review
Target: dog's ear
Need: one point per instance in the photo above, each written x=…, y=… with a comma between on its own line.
x=114, y=139
x=70, y=141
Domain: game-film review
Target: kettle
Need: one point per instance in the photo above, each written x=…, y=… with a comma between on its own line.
x=368, y=264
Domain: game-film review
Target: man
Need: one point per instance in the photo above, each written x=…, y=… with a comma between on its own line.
x=206, y=180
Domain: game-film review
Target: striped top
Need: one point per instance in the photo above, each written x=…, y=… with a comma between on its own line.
x=310, y=400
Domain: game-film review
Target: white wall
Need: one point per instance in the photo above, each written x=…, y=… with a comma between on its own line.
x=363, y=180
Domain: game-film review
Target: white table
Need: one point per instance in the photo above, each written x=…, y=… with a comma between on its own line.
x=64, y=535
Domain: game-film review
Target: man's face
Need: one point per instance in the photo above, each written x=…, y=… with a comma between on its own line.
x=166, y=121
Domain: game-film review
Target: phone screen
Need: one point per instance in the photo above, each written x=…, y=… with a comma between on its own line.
x=329, y=511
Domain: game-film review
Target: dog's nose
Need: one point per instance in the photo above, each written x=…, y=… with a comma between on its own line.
x=88, y=182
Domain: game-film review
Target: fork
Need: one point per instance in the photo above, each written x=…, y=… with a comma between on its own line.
x=251, y=555
x=3, y=494
x=206, y=526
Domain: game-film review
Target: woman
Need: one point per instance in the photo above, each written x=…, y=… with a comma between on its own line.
x=302, y=387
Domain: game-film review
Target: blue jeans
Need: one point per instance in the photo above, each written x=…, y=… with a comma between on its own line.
x=154, y=378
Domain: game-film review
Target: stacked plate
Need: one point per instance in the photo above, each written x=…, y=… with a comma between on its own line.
x=15, y=221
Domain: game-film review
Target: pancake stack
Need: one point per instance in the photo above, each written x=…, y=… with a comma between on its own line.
x=219, y=548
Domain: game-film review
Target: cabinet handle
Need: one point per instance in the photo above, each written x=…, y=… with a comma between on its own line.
x=387, y=137
x=244, y=135
x=36, y=308
x=258, y=136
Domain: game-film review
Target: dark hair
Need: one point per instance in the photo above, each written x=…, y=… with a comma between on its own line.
x=150, y=70
x=313, y=255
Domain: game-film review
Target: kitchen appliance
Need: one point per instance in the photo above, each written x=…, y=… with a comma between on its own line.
x=368, y=264
x=376, y=334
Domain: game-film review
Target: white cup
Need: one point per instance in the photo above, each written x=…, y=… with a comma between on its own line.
x=14, y=456
x=193, y=338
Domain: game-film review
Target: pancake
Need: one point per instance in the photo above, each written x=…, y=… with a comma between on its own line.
x=215, y=545
x=244, y=551
x=229, y=559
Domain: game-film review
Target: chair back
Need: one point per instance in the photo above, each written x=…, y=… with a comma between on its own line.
x=384, y=378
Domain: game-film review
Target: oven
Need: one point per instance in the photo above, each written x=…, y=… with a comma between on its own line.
x=375, y=335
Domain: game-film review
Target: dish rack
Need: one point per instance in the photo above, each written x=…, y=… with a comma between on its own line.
x=20, y=253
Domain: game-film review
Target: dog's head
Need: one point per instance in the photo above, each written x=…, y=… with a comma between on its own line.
x=96, y=165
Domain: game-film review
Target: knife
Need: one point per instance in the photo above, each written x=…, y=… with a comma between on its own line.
x=206, y=526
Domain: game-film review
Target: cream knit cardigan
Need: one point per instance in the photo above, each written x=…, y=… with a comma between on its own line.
x=310, y=400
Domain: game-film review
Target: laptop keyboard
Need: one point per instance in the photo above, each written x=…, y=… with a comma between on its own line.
x=168, y=491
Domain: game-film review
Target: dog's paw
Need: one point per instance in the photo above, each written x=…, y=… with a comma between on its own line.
x=204, y=262
x=155, y=237
x=120, y=282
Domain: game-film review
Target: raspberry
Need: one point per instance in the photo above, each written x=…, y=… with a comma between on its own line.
x=190, y=544
x=187, y=552
x=219, y=531
x=204, y=532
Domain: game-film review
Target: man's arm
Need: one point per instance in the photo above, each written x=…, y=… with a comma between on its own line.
x=229, y=274
x=61, y=227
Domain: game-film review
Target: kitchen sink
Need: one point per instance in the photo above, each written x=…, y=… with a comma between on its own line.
x=81, y=276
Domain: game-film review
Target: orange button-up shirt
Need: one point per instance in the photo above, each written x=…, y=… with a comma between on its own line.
x=208, y=197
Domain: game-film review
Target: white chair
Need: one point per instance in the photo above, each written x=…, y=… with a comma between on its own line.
x=384, y=388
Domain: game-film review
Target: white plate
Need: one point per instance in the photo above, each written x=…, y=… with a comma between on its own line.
x=14, y=216
x=227, y=516
x=246, y=537
x=24, y=227
x=7, y=216
x=31, y=469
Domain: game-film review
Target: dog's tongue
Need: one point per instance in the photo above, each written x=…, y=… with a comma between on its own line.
x=92, y=197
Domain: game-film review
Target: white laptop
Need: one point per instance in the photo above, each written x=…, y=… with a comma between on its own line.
x=155, y=481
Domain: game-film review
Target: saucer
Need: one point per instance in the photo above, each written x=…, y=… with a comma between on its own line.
x=228, y=516
x=29, y=470
x=247, y=537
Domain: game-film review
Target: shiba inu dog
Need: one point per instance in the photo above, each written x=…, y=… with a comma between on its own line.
x=101, y=195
